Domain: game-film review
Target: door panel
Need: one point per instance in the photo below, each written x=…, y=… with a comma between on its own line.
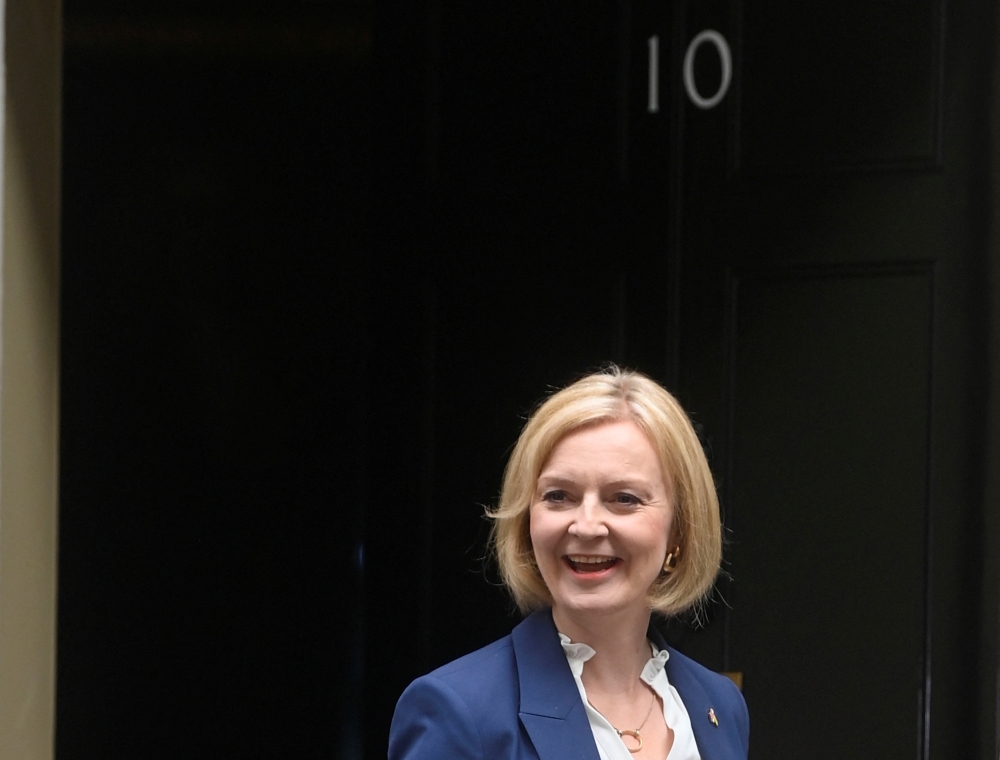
x=844, y=85
x=829, y=444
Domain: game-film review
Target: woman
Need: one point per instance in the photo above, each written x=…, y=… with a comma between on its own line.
x=608, y=512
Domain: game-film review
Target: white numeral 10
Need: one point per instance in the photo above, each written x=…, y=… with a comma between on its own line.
x=725, y=58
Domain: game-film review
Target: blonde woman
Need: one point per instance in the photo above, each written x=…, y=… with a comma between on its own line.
x=608, y=512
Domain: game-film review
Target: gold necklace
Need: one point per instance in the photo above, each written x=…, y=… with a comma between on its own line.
x=633, y=732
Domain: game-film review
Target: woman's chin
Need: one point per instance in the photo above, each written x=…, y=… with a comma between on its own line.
x=594, y=606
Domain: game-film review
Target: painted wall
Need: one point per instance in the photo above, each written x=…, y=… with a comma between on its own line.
x=29, y=391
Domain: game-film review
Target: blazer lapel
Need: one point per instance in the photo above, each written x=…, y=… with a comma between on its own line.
x=713, y=742
x=551, y=710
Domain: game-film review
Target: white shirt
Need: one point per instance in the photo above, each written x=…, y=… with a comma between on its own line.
x=609, y=744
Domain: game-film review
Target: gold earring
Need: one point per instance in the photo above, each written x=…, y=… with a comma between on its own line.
x=670, y=563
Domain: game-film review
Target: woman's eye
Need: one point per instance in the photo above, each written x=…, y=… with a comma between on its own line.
x=626, y=499
x=555, y=497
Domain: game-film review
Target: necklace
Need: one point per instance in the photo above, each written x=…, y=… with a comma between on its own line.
x=633, y=732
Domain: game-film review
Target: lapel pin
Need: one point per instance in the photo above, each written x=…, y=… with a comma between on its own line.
x=712, y=718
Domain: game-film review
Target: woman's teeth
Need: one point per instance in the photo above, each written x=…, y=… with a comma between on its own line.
x=586, y=563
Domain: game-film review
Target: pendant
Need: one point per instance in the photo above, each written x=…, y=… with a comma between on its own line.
x=634, y=734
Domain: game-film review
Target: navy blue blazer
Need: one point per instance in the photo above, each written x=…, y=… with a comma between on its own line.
x=516, y=700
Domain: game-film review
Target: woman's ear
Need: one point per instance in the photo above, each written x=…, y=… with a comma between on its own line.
x=674, y=538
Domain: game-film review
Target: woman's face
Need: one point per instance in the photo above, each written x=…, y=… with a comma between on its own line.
x=600, y=520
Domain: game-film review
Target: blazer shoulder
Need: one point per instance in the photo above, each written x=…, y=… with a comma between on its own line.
x=486, y=679
x=465, y=709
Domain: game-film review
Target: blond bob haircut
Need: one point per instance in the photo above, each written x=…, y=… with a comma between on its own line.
x=609, y=396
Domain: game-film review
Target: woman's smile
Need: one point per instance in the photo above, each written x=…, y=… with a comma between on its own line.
x=588, y=565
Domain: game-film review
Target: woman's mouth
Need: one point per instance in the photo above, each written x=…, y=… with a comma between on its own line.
x=590, y=563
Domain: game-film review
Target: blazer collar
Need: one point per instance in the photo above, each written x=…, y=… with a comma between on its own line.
x=551, y=710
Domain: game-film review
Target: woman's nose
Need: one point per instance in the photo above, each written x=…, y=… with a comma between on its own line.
x=588, y=520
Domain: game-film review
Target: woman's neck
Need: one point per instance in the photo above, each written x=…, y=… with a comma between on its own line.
x=619, y=641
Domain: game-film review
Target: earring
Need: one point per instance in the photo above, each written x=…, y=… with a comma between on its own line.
x=670, y=563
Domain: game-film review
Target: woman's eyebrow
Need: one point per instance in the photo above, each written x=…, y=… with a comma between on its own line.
x=636, y=484
x=557, y=479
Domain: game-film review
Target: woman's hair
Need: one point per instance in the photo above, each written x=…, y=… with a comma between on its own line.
x=608, y=396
